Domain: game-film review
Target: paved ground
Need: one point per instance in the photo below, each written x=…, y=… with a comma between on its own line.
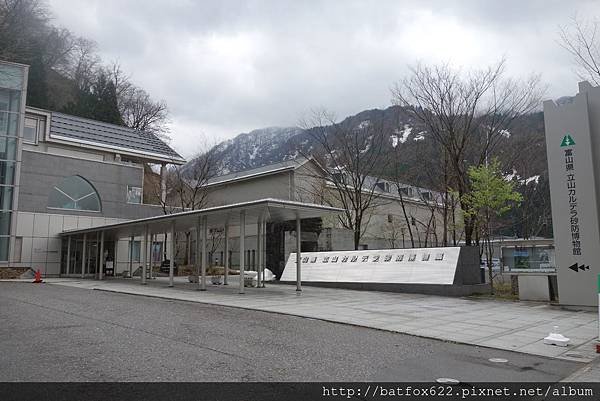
x=516, y=326
x=56, y=333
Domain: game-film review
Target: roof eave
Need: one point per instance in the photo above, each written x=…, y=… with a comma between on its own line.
x=54, y=138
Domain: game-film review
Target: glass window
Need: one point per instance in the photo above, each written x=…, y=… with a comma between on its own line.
x=412, y=257
x=76, y=193
x=399, y=258
x=8, y=123
x=33, y=128
x=439, y=256
x=425, y=257
x=4, y=223
x=135, y=250
x=9, y=100
x=134, y=194
x=8, y=147
x=4, y=241
x=7, y=172
x=11, y=76
x=6, y=194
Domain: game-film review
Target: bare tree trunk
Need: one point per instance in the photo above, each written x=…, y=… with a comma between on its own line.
x=406, y=219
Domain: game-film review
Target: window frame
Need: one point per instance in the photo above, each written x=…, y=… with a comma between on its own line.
x=141, y=195
x=38, y=124
x=57, y=188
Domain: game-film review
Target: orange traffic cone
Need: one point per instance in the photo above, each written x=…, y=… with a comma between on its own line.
x=38, y=277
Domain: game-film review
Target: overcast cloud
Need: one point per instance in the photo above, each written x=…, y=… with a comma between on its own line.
x=226, y=67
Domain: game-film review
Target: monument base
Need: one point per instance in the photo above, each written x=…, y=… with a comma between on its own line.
x=446, y=290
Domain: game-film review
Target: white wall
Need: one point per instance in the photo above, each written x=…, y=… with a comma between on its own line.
x=41, y=241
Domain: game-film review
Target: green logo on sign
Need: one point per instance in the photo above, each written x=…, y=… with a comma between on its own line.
x=567, y=141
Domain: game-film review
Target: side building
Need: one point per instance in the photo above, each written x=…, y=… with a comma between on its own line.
x=304, y=180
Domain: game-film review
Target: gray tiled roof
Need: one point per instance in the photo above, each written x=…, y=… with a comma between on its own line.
x=271, y=168
x=84, y=130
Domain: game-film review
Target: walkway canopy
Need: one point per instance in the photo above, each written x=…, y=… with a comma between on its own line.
x=257, y=212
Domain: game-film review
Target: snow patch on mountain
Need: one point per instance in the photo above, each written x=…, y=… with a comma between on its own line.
x=402, y=134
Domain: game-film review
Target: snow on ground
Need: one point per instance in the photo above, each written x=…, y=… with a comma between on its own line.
x=535, y=178
x=509, y=177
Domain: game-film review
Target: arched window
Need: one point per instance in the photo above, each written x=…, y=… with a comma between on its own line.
x=75, y=193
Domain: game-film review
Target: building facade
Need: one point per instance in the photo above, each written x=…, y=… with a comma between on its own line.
x=303, y=180
x=63, y=172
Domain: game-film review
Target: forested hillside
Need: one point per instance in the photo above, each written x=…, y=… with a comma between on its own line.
x=66, y=74
x=521, y=151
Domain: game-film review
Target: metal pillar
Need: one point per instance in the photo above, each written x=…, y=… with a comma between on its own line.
x=198, y=251
x=163, y=183
x=101, y=271
x=150, y=261
x=226, y=254
x=131, y=240
x=83, y=256
x=68, y=270
x=264, y=251
x=97, y=256
x=298, y=256
x=204, y=255
x=115, y=254
x=144, y=255
x=172, y=258
x=258, y=251
x=242, y=248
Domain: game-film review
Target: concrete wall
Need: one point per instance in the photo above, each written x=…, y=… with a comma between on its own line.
x=534, y=288
x=41, y=244
x=271, y=186
x=39, y=226
x=41, y=172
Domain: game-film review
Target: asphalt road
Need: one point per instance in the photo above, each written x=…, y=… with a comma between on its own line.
x=56, y=333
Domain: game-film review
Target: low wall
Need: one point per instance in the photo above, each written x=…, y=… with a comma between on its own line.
x=450, y=271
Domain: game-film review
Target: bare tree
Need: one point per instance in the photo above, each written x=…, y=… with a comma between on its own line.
x=580, y=39
x=138, y=110
x=394, y=232
x=352, y=158
x=187, y=188
x=84, y=64
x=464, y=113
x=22, y=24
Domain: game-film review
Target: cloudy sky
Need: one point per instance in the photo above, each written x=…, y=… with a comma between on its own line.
x=226, y=67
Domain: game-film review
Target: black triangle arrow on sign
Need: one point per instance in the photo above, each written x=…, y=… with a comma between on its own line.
x=575, y=267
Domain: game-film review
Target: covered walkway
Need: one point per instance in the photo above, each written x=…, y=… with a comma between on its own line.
x=237, y=216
